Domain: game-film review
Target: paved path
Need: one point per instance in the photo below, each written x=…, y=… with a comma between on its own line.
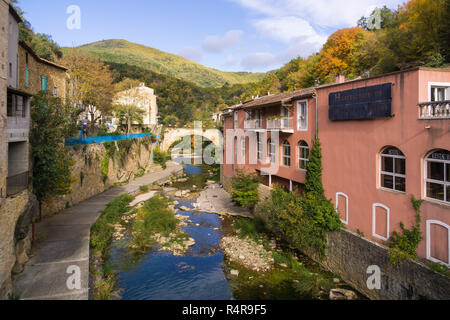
x=63, y=241
x=216, y=200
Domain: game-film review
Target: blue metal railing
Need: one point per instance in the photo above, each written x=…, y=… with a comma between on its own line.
x=92, y=140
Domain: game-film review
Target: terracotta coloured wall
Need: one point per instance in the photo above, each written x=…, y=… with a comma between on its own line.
x=351, y=157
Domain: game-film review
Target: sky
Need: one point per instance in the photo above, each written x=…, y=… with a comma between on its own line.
x=229, y=35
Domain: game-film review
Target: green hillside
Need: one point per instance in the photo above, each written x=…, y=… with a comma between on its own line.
x=124, y=52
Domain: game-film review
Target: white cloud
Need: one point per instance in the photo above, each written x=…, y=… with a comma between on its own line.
x=289, y=29
x=327, y=13
x=259, y=61
x=217, y=44
x=297, y=24
x=191, y=54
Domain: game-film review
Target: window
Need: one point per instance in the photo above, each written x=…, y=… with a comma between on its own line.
x=10, y=70
x=55, y=91
x=438, y=93
x=303, y=155
x=302, y=115
x=258, y=116
x=393, y=169
x=10, y=106
x=26, y=58
x=44, y=84
x=285, y=118
x=286, y=154
x=259, y=147
x=437, y=166
x=271, y=151
x=27, y=77
x=243, y=147
x=15, y=106
x=248, y=115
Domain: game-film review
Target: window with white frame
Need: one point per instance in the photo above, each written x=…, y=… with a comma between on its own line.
x=258, y=116
x=243, y=147
x=439, y=93
x=437, y=166
x=303, y=155
x=271, y=150
x=286, y=153
x=302, y=115
x=259, y=147
x=236, y=119
x=393, y=169
x=248, y=115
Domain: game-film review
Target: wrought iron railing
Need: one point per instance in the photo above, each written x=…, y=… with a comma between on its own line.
x=16, y=183
x=434, y=110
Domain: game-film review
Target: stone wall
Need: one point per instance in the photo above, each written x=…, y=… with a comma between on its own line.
x=4, y=9
x=349, y=255
x=89, y=179
x=15, y=236
x=56, y=76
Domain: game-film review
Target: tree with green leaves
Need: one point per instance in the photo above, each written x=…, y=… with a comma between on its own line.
x=52, y=166
x=129, y=114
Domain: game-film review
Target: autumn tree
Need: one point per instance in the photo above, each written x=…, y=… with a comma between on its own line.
x=91, y=84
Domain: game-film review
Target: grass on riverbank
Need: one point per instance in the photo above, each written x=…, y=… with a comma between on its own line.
x=101, y=237
x=288, y=279
x=155, y=218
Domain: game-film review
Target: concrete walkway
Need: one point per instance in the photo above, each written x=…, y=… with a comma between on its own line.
x=63, y=241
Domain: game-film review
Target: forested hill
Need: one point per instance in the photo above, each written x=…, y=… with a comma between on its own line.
x=122, y=51
x=415, y=34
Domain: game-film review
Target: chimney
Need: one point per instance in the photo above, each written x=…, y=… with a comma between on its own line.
x=340, y=78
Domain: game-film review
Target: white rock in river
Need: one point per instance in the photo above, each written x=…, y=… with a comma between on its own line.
x=342, y=294
x=234, y=273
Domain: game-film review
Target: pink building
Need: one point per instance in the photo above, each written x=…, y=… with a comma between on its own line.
x=384, y=139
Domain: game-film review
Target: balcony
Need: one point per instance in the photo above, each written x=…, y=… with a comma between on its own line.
x=253, y=124
x=282, y=124
x=434, y=110
x=16, y=183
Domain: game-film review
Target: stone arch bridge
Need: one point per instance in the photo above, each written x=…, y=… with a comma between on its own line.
x=173, y=135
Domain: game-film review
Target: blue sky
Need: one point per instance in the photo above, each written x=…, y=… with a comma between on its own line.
x=230, y=35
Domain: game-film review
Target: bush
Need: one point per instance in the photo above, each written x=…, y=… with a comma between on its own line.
x=161, y=157
x=404, y=245
x=245, y=189
x=250, y=228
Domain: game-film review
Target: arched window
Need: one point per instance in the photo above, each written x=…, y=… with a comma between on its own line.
x=303, y=155
x=243, y=147
x=437, y=167
x=271, y=150
x=393, y=169
x=286, y=153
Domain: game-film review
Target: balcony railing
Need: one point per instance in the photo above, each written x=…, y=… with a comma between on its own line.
x=434, y=110
x=280, y=124
x=16, y=183
x=253, y=124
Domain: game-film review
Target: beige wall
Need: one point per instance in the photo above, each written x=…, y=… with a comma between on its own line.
x=3, y=119
x=144, y=98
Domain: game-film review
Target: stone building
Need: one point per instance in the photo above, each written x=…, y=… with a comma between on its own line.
x=37, y=74
x=23, y=74
x=142, y=97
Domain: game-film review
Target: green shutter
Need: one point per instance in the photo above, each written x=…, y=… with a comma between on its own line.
x=27, y=77
x=44, y=84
